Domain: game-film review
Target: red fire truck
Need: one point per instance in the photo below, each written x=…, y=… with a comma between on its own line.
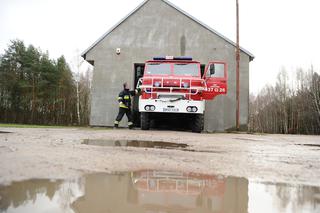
x=176, y=85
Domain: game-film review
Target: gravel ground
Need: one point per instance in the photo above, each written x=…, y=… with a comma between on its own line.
x=57, y=153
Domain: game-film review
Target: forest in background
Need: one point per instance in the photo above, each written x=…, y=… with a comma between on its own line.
x=291, y=106
x=35, y=89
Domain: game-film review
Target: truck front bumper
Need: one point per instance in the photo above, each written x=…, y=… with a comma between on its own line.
x=167, y=106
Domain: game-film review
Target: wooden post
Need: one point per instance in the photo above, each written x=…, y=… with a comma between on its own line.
x=237, y=70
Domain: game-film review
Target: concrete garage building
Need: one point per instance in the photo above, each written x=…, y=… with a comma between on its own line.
x=155, y=28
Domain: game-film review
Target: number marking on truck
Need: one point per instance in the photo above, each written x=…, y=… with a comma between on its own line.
x=170, y=110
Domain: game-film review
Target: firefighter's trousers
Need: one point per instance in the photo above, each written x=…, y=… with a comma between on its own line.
x=120, y=115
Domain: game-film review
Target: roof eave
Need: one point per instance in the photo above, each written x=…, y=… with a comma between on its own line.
x=83, y=54
x=251, y=56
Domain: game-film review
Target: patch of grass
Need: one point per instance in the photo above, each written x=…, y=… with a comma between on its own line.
x=33, y=126
x=4, y=125
x=94, y=128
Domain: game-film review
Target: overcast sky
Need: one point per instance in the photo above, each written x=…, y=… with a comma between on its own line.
x=280, y=33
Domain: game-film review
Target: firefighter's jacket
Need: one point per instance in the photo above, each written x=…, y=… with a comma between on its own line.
x=125, y=98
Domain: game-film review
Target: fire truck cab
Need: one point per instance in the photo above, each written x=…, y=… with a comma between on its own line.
x=175, y=85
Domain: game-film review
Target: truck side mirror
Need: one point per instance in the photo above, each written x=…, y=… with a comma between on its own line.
x=212, y=69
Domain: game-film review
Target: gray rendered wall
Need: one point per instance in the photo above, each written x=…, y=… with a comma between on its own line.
x=157, y=29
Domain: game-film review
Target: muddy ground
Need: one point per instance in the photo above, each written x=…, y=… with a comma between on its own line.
x=53, y=153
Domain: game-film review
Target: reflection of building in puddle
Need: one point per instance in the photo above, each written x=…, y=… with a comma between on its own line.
x=159, y=191
x=156, y=191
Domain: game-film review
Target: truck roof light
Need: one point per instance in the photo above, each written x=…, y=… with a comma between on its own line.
x=185, y=58
x=159, y=58
x=188, y=58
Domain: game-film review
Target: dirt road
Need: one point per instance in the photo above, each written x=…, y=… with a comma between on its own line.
x=59, y=153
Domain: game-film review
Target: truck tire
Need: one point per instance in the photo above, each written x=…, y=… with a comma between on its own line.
x=198, y=123
x=145, y=121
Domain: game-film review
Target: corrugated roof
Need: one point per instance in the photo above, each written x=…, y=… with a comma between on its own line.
x=178, y=9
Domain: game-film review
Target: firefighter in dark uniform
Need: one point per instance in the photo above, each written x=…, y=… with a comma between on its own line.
x=124, y=100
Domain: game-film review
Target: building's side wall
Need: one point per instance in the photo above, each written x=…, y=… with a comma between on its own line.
x=158, y=29
x=222, y=110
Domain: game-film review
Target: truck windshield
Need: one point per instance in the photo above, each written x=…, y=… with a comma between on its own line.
x=186, y=69
x=158, y=69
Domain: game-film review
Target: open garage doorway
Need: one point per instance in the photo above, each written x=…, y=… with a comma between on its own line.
x=138, y=70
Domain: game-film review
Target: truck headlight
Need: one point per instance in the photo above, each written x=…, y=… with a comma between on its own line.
x=185, y=85
x=192, y=109
x=157, y=84
x=149, y=108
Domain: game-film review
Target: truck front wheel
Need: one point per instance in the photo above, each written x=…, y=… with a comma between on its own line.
x=145, y=121
x=198, y=123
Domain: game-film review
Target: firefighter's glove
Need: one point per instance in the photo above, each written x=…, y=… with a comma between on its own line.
x=138, y=90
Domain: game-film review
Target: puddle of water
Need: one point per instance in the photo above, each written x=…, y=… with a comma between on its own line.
x=248, y=139
x=157, y=191
x=135, y=143
x=307, y=144
x=145, y=144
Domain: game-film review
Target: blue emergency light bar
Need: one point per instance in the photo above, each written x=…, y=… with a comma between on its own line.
x=187, y=58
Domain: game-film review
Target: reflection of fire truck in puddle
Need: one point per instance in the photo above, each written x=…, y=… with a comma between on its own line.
x=174, y=189
x=162, y=192
x=177, y=182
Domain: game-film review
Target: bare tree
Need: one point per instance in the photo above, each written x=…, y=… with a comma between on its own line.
x=285, y=108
